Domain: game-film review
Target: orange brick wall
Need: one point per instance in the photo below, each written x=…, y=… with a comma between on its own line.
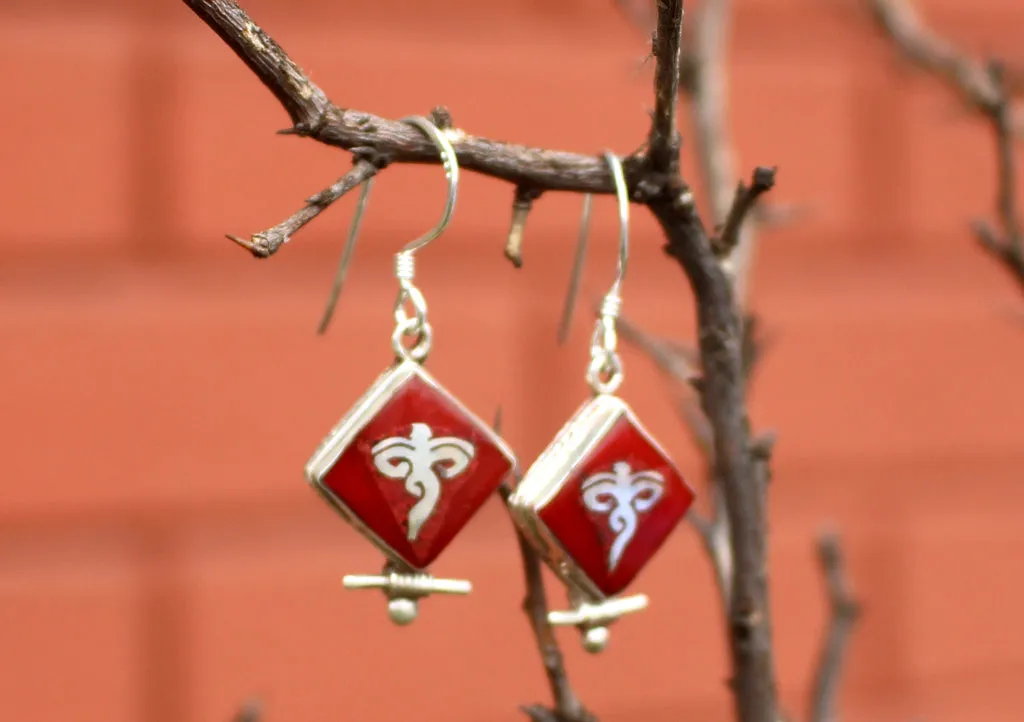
x=161, y=558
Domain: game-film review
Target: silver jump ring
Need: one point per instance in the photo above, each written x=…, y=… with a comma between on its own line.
x=604, y=374
x=424, y=338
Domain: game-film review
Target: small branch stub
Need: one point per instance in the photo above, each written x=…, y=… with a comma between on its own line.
x=746, y=198
x=522, y=203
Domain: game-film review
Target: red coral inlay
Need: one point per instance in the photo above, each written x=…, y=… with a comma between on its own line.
x=418, y=472
x=618, y=507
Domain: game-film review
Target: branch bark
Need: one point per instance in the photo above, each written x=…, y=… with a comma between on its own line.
x=568, y=707
x=653, y=179
x=663, y=140
x=313, y=115
x=722, y=398
x=266, y=243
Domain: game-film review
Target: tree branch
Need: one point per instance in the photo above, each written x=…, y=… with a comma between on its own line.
x=983, y=87
x=844, y=611
x=900, y=23
x=1009, y=248
x=266, y=243
x=746, y=197
x=722, y=398
x=663, y=141
x=568, y=707
x=314, y=116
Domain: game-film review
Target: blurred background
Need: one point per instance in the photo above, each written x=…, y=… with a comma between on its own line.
x=161, y=557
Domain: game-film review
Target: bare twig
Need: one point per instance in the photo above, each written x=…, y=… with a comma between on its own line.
x=266, y=243
x=726, y=529
x=663, y=140
x=680, y=366
x=722, y=398
x=314, y=116
x=568, y=707
x=653, y=180
x=1007, y=247
x=900, y=22
x=844, y=611
x=984, y=88
x=746, y=197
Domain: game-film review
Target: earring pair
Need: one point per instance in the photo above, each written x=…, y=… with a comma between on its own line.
x=409, y=465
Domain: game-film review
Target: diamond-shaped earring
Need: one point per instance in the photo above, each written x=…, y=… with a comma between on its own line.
x=604, y=496
x=408, y=466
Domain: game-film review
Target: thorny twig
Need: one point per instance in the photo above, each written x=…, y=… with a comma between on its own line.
x=844, y=611
x=654, y=180
x=984, y=88
x=568, y=707
x=268, y=242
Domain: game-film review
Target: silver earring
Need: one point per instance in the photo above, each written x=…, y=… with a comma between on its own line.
x=604, y=496
x=408, y=466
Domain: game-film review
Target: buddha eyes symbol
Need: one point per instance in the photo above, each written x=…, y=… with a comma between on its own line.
x=622, y=494
x=421, y=461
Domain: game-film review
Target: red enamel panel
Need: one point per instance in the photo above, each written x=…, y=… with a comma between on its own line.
x=428, y=437
x=618, y=507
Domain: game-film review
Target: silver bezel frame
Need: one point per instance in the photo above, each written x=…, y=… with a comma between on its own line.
x=550, y=472
x=345, y=431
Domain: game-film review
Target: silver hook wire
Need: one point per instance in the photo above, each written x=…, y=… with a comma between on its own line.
x=581, y=246
x=622, y=194
x=346, y=256
x=405, y=266
x=451, y=172
x=605, y=371
x=577, y=270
